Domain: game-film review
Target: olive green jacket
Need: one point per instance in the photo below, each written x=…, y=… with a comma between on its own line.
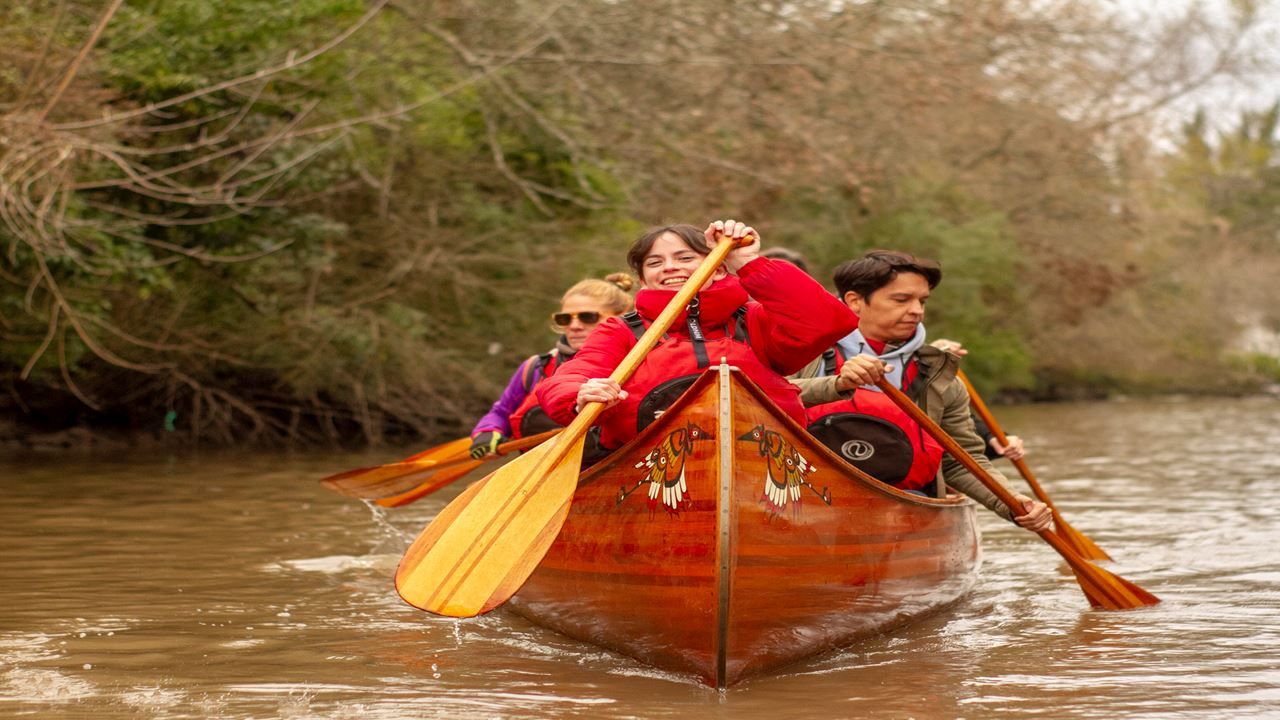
x=945, y=398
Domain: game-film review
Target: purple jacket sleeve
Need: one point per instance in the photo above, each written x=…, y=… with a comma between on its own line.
x=499, y=416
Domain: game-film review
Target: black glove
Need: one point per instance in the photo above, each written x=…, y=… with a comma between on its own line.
x=486, y=443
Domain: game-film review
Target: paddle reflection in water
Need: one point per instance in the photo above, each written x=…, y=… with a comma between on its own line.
x=234, y=586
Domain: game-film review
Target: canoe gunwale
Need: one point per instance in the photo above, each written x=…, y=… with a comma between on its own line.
x=646, y=437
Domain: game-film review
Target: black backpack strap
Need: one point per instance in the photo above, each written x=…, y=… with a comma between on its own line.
x=698, y=340
x=829, y=362
x=533, y=370
x=739, y=331
x=635, y=322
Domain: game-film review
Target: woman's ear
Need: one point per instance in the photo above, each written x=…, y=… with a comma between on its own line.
x=853, y=300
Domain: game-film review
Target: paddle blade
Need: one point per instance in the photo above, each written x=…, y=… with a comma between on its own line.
x=1104, y=590
x=373, y=483
x=1107, y=591
x=480, y=549
x=439, y=479
x=1084, y=546
x=448, y=451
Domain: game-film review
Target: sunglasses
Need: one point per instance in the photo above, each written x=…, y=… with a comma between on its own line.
x=562, y=319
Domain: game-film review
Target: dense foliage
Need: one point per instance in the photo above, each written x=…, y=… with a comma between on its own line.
x=346, y=220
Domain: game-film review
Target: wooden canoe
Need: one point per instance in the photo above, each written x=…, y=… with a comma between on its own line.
x=724, y=541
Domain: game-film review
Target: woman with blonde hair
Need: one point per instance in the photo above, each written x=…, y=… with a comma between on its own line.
x=516, y=413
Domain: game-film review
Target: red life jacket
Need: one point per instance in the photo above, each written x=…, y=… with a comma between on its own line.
x=661, y=396
x=529, y=418
x=874, y=435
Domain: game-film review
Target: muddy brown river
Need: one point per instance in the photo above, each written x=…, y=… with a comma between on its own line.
x=222, y=585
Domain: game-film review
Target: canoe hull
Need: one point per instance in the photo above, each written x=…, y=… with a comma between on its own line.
x=725, y=542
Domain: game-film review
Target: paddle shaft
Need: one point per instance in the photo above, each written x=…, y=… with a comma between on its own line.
x=446, y=473
x=1103, y=589
x=505, y=448
x=980, y=407
x=953, y=447
x=396, y=481
x=1083, y=545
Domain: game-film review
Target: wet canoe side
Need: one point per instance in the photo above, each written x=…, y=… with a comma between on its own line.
x=792, y=554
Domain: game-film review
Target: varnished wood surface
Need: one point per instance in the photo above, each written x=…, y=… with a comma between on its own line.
x=372, y=483
x=639, y=577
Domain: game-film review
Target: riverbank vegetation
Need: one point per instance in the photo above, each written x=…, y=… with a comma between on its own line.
x=345, y=221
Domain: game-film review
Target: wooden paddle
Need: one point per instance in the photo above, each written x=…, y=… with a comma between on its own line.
x=480, y=549
x=1083, y=545
x=445, y=473
x=401, y=483
x=367, y=483
x=1103, y=589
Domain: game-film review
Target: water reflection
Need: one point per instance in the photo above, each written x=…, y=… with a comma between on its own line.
x=234, y=586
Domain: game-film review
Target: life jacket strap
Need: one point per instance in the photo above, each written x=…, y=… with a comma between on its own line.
x=635, y=322
x=739, y=321
x=829, y=361
x=737, y=329
x=696, y=338
x=533, y=369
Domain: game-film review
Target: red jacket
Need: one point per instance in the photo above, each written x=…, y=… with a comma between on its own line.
x=792, y=321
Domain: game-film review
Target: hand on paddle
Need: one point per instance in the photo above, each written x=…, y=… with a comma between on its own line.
x=861, y=370
x=606, y=391
x=486, y=443
x=1037, y=515
x=740, y=255
x=951, y=346
x=1013, y=450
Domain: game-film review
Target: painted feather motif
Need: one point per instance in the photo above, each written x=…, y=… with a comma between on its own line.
x=664, y=468
x=786, y=470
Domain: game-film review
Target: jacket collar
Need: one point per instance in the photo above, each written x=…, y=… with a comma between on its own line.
x=716, y=304
x=563, y=350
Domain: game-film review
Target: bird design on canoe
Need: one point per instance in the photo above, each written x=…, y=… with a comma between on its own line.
x=664, y=468
x=786, y=470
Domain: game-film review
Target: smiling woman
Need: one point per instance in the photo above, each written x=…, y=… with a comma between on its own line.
x=766, y=316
